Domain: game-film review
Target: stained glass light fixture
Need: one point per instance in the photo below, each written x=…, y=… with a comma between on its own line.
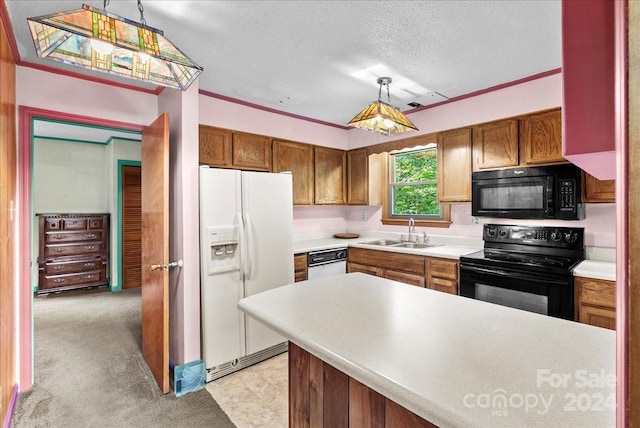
x=383, y=117
x=97, y=40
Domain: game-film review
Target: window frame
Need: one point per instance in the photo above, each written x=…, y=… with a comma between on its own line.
x=444, y=220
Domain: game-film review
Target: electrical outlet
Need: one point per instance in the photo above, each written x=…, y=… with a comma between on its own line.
x=363, y=216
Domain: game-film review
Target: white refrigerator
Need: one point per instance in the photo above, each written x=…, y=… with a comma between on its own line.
x=246, y=247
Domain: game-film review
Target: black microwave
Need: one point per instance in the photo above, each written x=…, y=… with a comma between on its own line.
x=546, y=192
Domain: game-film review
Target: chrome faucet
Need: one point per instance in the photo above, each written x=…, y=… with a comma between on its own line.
x=412, y=225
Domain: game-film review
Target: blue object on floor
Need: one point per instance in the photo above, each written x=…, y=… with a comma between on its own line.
x=189, y=377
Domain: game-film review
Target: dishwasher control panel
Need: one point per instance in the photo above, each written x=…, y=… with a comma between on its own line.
x=316, y=258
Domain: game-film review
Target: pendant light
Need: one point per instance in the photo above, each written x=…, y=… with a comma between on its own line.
x=94, y=39
x=383, y=117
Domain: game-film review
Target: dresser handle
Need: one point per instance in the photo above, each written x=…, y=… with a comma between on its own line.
x=58, y=250
x=90, y=235
x=88, y=276
x=89, y=264
x=57, y=268
x=89, y=247
x=58, y=280
x=58, y=236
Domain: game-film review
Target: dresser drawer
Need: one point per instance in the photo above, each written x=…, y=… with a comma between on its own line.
x=72, y=266
x=88, y=235
x=74, y=223
x=86, y=278
x=63, y=250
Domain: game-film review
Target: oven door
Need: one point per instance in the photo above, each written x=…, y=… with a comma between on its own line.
x=513, y=197
x=543, y=294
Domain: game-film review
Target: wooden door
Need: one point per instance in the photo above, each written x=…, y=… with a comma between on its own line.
x=155, y=249
x=131, y=227
x=454, y=165
x=330, y=176
x=495, y=144
x=358, y=177
x=297, y=158
x=541, y=139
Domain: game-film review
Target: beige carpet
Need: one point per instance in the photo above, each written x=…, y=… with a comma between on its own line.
x=256, y=396
x=89, y=369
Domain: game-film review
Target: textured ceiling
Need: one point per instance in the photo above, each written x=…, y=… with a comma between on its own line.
x=302, y=57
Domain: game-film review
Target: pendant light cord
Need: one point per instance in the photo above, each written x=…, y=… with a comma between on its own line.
x=141, y=9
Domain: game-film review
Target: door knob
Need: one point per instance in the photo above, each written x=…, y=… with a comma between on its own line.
x=174, y=264
x=156, y=267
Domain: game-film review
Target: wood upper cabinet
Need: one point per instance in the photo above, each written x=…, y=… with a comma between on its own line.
x=251, y=151
x=594, y=190
x=495, y=144
x=225, y=148
x=214, y=146
x=541, y=138
x=595, y=302
x=330, y=176
x=297, y=158
x=357, y=177
x=454, y=165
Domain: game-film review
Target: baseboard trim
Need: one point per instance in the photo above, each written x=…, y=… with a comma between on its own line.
x=11, y=407
x=244, y=362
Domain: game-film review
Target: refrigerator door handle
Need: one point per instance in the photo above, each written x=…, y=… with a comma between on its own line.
x=249, y=247
x=241, y=241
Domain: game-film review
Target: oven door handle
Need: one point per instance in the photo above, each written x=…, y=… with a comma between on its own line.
x=515, y=275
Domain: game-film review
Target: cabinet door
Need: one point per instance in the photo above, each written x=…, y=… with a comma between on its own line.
x=454, y=165
x=357, y=177
x=250, y=151
x=388, y=260
x=595, y=190
x=600, y=317
x=596, y=292
x=300, y=267
x=297, y=158
x=541, y=139
x=214, y=147
x=357, y=267
x=495, y=144
x=330, y=176
x=406, y=277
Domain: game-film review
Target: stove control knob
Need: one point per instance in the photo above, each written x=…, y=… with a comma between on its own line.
x=502, y=233
x=556, y=236
x=570, y=237
x=491, y=232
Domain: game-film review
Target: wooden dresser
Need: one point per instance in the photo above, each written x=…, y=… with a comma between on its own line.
x=74, y=251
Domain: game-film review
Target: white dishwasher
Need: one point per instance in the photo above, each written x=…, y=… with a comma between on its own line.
x=327, y=263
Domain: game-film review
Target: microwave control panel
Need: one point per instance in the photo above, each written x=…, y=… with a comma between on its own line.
x=567, y=188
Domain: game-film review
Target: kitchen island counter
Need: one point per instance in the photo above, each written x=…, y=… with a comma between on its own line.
x=455, y=362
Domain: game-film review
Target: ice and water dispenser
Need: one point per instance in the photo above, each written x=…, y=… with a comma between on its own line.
x=224, y=254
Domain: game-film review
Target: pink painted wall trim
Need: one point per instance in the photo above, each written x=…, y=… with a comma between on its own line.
x=25, y=118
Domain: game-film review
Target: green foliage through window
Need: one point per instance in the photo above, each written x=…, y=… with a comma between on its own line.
x=414, y=189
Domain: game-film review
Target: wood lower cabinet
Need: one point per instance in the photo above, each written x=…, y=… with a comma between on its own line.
x=300, y=267
x=322, y=396
x=330, y=176
x=597, y=191
x=454, y=165
x=74, y=251
x=298, y=159
x=495, y=144
x=595, y=302
x=407, y=268
x=541, y=138
x=442, y=274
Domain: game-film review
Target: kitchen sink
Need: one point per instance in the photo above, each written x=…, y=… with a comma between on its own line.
x=415, y=245
x=384, y=242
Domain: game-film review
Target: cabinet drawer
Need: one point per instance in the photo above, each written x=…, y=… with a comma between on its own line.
x=407, y=278
x=443, y=268
x=72, y=267
x=597, y=292
x=300, y=262
x=88, y=278
x=356, y=267
x=62, y=250
x=388, y=260
x=74, y=223
x=89, y=235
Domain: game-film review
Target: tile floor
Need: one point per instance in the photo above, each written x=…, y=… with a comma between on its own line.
x=256, y=396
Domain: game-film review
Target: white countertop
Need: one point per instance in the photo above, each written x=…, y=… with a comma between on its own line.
x=443, y=251
x=596, y=269
x=448, y=358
